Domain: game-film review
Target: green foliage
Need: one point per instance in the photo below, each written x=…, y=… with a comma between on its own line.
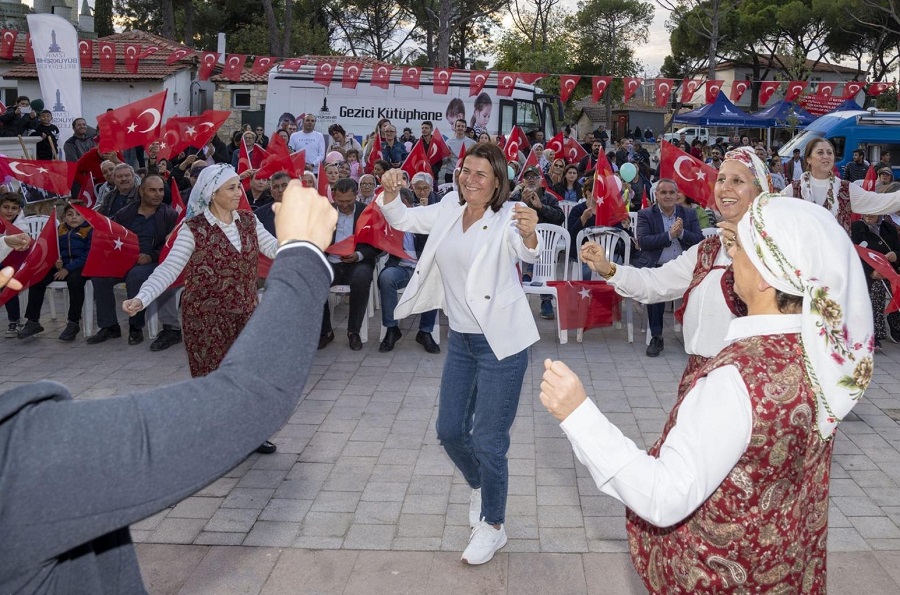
x=103, y=18
x=606, y=33
x=887, y=100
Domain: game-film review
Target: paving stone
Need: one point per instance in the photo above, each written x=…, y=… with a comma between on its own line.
x=166, y=569
x=246, y=570
x=219, y=538
x=272, y=534
x=250, y=498
x=172, y=530
x=317, y=572
x=370, y=537
x=234, y=520
x=548, y=574
x=196, y=508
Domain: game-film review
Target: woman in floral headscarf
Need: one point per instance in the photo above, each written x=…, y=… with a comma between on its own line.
x=217, y=248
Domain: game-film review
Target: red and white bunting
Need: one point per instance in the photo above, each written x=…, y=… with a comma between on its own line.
x=179, y=54
x=107, y=52
x=234, y=67
x=599, y=85
x=381, y=76
x=663, y=88
x=852, y=88
x=632, y=84
x=766, y=90
x=712, y=89
x=132, y=57
x=688, y=88
x=207, y=63
x=442, y=78
x=567, y=84
x=86, y=52
x=350, y=74
x=324, y=72
x=477, y=80
x=738, y=88
x=411, y=76
x=506, y=83
x=262, y=65
x=795, y=88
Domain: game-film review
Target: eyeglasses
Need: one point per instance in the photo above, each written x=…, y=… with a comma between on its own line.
x=530, y=177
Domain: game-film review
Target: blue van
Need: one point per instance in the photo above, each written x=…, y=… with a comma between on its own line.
x=873, y=131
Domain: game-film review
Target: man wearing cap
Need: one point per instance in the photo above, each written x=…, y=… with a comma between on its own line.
x=734, y=495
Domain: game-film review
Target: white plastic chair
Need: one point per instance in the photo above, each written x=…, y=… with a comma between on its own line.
x=445, y=188
x=338, y=291
x=633, y=217
x=545, y=268
x=609, y=238
x=567, y=206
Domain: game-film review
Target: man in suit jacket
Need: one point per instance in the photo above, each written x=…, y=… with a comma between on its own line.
x=355, y=270
x=664, y=231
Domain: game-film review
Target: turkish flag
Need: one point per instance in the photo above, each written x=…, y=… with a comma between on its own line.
x=477, y=79
x=598, y=87
x=114, y=249
x=461, y=157
x=567, y=83
x=549, y=191
x=83, y=189
x=645, y=202
x=15, y=258
x=506, y=82
x=693, y=177
x=294, y=64
x=234, y=67
x=738, y=88
x=416, y=161
x=29, y=51
x=442, y=78
x=181, y=132
x=132, y=57
x=632, y=84
x=324, y=72
x=373, y=229
x=555, y=144
x=852, y=88
x=167, y=247
x=712, y=89
x=574, y=152
x=350, y=75
x=607, y=194
x=688, y=88
x=178, y=202
x=278, y=159
x=766, y=90
x=107, y=56
x=381, y=76
x=248, y=160
x=89, y=163
x=375, y=153
x=825, y=90
x=870, y=180
x=132, y=125
x=586, y=304
x=795, y=88
x=411, y=76
x=876, y=89
x=148, y=51
x=516, y=142
x=437, y=149
x=262, y=65
x=663, y=91
x=52, y=176
x=299, y=160
x=530, y=78
x=531, y=160
x=85, y=52
x=208, y=62
x=880, y=263
x=322, y=185
x=40, y=259
x=179, y=54
x=8, y=43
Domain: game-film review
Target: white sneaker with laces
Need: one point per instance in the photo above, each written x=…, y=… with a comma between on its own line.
x=475, y=507
x=484, y=543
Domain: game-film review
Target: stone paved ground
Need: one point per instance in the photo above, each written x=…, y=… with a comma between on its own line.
x=360, y=498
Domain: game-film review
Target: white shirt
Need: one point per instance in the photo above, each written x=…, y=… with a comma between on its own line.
x=706, y=317
x=864, y=202
x=312, y=142
x=710, y=435
x=183, y=247
x=454, y=260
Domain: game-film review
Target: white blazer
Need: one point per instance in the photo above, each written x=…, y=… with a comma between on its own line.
x=493, y=290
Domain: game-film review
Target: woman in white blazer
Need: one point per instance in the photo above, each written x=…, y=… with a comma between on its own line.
x=468, y=268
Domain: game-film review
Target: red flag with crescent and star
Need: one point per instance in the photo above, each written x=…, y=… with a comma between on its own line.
x=132, y=57
x=114, y=249
x=693, y=177
x=871, y=179
x=574, y=151
x=278, y=159
x=350, y=74
x=567, y=83
x=180, y=132
x=611, y=207
x=372, y=229
x=852, y=88
x=294, y=64
x=530, y=78
x=15, y=258
x=132, y=125
x=234, y=67
x=86, y=52
x=208, y=62
x=375, y=153
x=586, y=304
x=410, y=76
x=632, y=84
x=179, y=54
x=477, y=80
x=8, y=44
x=766, y=90
x=688, y=88
x=516, y=142
x=322, y=185
x=738, y=88
x=437, y=148
x=599, y=84
x=556, y=144
x=880, y=263
x=52, y=176
x=712, y=89
x=107, y=51
x=442, y=78
x=381, y=76
x=876, y=89
x=795, y=88
x=324, y=72
x=663, y=91
x=262, y=65
x=416, y=161
x=506, y=83
x=177, y=202
x=83, y=188
x=40, y=259
x=825, y=90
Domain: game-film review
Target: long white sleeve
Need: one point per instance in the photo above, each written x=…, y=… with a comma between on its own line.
x=711, y=433
x=415, y=220
x=268, y=244
x=165, y=274
x=661, y=284
x=866, y=202
x=4, y=249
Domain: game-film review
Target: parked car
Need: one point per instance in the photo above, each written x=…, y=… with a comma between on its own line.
x=690, y=133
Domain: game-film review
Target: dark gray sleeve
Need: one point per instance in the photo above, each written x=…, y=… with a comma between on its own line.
x=75, y=470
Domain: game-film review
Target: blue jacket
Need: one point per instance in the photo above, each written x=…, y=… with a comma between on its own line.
x=652, y=235
x=395, y=154
x=74, y=245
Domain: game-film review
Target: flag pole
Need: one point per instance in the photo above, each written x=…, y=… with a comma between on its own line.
x=24, y=148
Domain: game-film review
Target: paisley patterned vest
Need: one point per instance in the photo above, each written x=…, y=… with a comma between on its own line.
x=843, y=200
x=764, y=528
x=707, y=252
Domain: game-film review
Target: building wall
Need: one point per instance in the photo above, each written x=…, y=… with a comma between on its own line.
x=732, y=74
x=222, y=100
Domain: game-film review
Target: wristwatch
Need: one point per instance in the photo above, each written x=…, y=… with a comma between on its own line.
x=612, y=271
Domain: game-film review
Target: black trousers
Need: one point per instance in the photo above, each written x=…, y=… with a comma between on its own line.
x=358, y=275
x=74, y=281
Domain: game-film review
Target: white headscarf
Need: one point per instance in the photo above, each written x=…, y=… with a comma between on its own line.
x=783, y=238
x=211, y=178
x=748, y=157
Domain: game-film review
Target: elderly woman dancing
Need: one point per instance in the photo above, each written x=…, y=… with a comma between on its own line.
x=217, y=247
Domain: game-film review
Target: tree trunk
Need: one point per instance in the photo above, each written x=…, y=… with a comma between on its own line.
x=189, y=23
x=103, y=13
x=288, y=27
x=713, y=38
x=272, y=24
x=167, y=11
x=444, y=16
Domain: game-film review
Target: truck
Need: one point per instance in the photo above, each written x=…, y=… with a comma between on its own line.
x=872, y=130
x=359, y=109
x=690, y=133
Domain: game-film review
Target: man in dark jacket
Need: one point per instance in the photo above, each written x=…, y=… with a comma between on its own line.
x=19, y=119
x=125, y=190
x=664, y=231
x=80, y=142
x=152, y=221
x=857, y=168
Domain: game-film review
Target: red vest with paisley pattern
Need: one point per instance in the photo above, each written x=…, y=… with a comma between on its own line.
x=707, y=252
x=764, y=528
x=844, y=209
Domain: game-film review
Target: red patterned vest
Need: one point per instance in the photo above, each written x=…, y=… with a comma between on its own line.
x=764, y=528
x=707, y=252
x=844, y=208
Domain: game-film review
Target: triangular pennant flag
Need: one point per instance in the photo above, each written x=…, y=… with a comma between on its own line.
x=688, y=88
x=442, y=78
x=599, y=85
x=712, y=89
x=663, y=88
x=632, y=84
x=381, y=76
x=324, y=72
x=350, y=74
x=766, y=90
x=506, y=83
x=477, y=80
x=262, y=65
x=234, y=67
x=567, y=83
x=795, y=88
x=738, y=88
x=208, y=62
x=411, y=76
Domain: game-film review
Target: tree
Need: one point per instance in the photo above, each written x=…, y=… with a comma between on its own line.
x=103, y=18
x=535, y=20
x=702, y=18
x=372, y=27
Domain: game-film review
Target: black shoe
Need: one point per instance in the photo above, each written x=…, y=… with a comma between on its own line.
x=427, y=341
x=894, y=335
x=70, y=332
x=355, y=341
x=110, y=332
x=878, y=346
x=326, y=339
x=390, y=339
x=655, y=347
x=266, y=448
x=30, y=329
x=165, y=339
x=135, y=335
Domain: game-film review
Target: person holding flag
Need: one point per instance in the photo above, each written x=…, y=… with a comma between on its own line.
x=217, y=247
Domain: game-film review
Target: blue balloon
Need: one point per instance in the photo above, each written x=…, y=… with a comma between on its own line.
x=628, y=172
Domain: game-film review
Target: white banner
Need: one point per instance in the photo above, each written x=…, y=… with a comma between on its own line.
x=55, y=44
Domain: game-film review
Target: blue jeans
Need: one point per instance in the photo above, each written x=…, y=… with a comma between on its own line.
x=390, y=281
x=479, y=398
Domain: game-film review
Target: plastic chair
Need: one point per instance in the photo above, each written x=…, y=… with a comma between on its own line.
x=633, y=217
x=379, y=266
x=567, y=206
x=609, y=238
x=445, y=188
x=338, y=291
x=152, y=315
x=552, y=236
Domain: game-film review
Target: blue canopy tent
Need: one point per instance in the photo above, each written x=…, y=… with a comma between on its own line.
x=782, y=113
x=719, y=113
x=848, y=106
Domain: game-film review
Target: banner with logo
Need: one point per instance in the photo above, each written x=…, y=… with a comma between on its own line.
x=56, y=57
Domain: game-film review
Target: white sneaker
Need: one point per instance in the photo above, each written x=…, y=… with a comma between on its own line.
x=475, y=508
x=484, y=543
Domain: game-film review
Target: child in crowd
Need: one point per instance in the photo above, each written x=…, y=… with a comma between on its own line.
x=74, y=235
x=10, y=212
x=48, y=146
x=353, y=162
